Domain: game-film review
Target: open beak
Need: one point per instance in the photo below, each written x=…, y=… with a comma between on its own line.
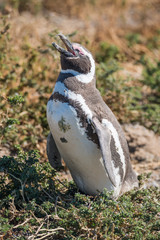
x=70, y=52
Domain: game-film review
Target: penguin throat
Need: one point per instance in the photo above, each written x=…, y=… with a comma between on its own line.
x=81, y=77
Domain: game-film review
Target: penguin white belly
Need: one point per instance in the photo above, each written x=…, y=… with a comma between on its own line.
x=81, y=155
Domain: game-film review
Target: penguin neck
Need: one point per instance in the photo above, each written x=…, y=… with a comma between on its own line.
x=71, y=82
x=81, y=77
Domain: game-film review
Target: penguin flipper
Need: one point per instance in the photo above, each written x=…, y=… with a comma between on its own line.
x=104, y=137
x=53, y=154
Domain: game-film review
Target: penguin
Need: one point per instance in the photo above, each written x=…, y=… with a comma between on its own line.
x=84, y=132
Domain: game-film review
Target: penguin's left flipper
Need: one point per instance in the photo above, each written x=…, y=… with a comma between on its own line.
x=53, y=154
x=104, y=137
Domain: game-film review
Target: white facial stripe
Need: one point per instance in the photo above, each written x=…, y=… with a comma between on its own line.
x=72, y=57
x=61, y=88
x=114, y=133
x=84, y=78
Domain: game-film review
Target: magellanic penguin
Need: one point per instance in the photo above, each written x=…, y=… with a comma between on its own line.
x=83, y=129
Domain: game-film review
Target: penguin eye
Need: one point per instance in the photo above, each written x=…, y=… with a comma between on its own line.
x=79, y=51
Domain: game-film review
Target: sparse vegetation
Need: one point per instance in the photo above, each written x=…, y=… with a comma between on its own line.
x=133, y=38
x=34, y=202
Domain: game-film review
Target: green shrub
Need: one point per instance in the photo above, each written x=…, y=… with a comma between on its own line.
x=133, y=38
x=35, y=203
x=106, y=51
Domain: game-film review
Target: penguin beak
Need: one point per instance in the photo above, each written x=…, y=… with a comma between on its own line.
x=70, y=52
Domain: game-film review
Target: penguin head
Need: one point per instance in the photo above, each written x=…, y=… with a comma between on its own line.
x=76, y=57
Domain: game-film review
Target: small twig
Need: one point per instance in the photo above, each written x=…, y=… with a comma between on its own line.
x=19, y=225
x=155, y=200
x=61, y=183
x=51, y=230
x=50, y=234
x=22, y=184
x=47, y=216
x=41, y=234
x=46, y=193
x=39, y=229
x=35, y=216
x=55, y=206
x=62, y=208
x=46, y=236
x=34, y=235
